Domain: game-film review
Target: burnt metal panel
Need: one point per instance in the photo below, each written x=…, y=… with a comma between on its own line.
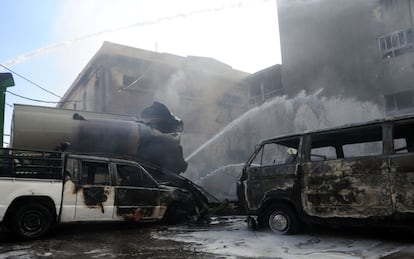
x=95, y=196
x=270, y=182
x=402, y=182
x=352, y=187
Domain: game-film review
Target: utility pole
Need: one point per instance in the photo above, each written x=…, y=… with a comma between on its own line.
x=6, y=80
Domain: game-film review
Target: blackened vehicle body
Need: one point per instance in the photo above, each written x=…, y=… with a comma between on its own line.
x=355, y=174
x=39, y=189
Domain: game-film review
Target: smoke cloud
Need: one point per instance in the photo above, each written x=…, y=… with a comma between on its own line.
x=218, y=160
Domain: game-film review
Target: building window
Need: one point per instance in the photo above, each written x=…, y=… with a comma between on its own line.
x=396, y=43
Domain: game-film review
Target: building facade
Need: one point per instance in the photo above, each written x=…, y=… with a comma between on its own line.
x=205, y=93
x=264, y=85
x=355, y=48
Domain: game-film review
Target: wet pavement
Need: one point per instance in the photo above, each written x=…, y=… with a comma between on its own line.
x=224, y=237
x=98, y=241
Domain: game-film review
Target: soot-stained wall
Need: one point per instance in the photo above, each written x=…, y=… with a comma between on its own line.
x=335, y=45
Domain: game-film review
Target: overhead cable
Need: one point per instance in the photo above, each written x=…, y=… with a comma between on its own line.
x=30, y=81
x=36, y=100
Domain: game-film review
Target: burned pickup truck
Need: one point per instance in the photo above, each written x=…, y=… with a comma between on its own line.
x=39, y=189
x=357, y=174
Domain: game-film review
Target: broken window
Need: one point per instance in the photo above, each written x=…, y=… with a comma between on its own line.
x=354, y=142
x=95, y=173
x=276, y=154
x=72, y=170
x=134, y=176
x=323, y=153
x=402, y=138
x=400, y=145
x=363, y=149
x=128, y=175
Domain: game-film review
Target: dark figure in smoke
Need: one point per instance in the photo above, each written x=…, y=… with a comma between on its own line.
x=162, y=150
x=159, y=117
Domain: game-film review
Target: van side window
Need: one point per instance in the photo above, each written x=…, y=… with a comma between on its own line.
x=363, y=149
x=323, y=153
x=275, y=154
x=95, y=173
x=403, y=138
x=400, y=145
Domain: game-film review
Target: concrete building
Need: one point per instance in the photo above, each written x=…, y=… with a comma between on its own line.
x=264, y=85
x=205, y=93
x=355, y=48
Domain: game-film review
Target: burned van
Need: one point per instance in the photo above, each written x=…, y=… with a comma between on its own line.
x=355, y=174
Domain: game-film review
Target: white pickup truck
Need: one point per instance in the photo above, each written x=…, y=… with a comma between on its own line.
x=39, y=189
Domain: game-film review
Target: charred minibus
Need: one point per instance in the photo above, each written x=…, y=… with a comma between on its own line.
x=355, y=174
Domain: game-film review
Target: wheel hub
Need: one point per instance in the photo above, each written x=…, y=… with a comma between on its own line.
x=278, y=222
x=31, y=222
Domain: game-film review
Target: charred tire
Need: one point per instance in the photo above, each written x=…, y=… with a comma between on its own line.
x=31, y=221
x=282, y=219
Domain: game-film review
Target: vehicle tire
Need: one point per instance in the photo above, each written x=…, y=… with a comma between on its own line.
x=282, y=219
x=31, y=221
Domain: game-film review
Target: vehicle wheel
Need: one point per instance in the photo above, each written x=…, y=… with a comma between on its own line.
x=282, y=220
x=31, y=221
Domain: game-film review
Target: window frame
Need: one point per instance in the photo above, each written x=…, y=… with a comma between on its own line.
x=395, y=43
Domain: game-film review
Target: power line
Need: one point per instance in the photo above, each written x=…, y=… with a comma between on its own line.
x=30, y=81
x=9, y=105
x=36, y=100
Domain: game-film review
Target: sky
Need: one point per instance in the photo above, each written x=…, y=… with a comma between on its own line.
x=49, y=42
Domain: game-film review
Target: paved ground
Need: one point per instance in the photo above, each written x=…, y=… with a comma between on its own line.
x=99, y=241
x=226, y=237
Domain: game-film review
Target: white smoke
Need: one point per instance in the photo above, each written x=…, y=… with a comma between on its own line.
x=279, y=116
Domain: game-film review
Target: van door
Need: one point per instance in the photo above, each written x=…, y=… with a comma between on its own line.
x=272, y=174
x=95, y=194
x=355, y=185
